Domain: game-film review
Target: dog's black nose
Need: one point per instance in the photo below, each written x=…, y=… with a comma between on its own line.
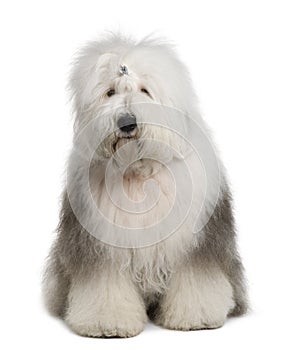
x=127, y=122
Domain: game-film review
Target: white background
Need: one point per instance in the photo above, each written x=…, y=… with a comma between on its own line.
x=236, y=52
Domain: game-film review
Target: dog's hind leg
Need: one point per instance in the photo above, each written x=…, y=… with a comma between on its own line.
x=55, y=289
x=220, y=243
x=236, y=278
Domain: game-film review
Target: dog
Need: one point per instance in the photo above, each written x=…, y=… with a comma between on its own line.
x=146, y=226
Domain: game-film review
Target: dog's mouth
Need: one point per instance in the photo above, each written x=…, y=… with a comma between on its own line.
x=122, y=140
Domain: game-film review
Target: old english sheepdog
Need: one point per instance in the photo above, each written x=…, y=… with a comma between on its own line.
x=146, y=226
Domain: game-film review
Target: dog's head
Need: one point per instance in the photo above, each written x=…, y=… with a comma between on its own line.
x=131, y=93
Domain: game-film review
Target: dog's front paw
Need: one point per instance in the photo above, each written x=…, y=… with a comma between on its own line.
x=105, y=306
x=106, y=328
x=194, y=314
x=196, y=301
x=189, y=321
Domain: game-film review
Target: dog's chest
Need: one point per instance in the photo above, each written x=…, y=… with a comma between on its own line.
x=134, y=201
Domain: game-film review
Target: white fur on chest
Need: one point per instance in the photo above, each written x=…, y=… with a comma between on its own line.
x=134, y=201
x=144, y=220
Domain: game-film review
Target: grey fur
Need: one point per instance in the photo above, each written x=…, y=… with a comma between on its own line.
x=220, y=247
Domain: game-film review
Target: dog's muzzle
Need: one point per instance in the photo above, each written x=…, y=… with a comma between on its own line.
x=127, y=130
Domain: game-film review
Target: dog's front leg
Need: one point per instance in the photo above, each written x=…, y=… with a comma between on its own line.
x=199, y=297
x=106, y=304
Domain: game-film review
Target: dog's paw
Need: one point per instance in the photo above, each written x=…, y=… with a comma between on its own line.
x=207, y=312
x=108, y=323
x=194, y=314
x=109, y=329
x=195, y=300
x=108, y=306
x=187, y=322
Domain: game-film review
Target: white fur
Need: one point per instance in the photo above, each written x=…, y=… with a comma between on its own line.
x=106, y=304
x=196, y=299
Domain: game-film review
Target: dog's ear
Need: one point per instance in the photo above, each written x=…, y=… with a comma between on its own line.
x=87, y=74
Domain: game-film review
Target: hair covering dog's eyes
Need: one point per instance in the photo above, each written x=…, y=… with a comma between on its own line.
x=145, y=91
x=111, y=92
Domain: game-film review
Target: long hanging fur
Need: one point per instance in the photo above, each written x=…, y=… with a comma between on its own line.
x=186, y=281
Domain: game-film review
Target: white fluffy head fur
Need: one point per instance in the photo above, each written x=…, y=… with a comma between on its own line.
x=152, y=65
x=156, y=78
